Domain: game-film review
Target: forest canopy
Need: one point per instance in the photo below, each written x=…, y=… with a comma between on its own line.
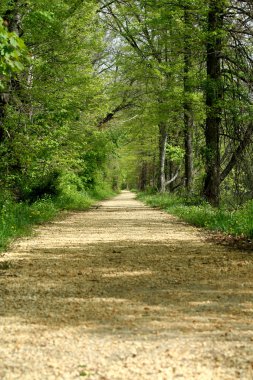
x=149, y=95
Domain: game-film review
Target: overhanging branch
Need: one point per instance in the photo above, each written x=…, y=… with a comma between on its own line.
x=111, y=114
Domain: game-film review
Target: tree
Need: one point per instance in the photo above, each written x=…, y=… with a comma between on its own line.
x=172, y=80
x=227, y=81
x=213, y=99
x=13, y=53
x=149, y=35
x=49, y=115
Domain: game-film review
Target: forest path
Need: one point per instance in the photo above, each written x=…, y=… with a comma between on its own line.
x=125, y=292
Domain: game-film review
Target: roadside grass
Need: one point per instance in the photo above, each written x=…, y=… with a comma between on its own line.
x=195, y=211
x=17, y=219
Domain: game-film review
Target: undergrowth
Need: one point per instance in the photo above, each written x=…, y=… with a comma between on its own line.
x=17, y=219
x=238, y=222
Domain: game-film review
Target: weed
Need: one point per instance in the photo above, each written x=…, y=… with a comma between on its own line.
x=237, y=222
x=17, y=219
x=84, y=371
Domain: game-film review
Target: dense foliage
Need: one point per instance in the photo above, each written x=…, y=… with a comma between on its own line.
x=49, y=144
x=189, y=69
x=141, y=94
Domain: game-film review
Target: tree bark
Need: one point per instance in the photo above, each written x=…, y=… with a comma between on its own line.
x=163, y=138
x=213, y=103
x=188, y=124
x=143, y=176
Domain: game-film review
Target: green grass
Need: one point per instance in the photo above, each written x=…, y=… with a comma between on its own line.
x=17, y=219
x=237, y=222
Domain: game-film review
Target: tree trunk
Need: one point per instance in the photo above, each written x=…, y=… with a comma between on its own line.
x=163, y=138
x=143, y=177
x=188, y=151
x=188, y=124
x=213, y=103
x=237, y=154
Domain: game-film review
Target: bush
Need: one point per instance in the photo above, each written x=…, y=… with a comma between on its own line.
x=71, y=192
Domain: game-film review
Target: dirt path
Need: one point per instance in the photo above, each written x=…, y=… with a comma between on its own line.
x=125, y=292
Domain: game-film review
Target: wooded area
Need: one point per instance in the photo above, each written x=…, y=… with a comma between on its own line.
x=143, y=94
x=154, y=98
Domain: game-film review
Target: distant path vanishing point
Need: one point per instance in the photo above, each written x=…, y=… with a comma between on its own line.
x=124, y=292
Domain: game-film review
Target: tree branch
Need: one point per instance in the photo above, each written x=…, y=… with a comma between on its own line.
x=238, y=152
x=111, y=114
x=173, y=178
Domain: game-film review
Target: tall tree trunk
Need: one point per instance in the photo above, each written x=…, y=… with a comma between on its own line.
x=188, y=124
x=143, y=176
x=188, y=150
x=213, y=102
x=163, y=138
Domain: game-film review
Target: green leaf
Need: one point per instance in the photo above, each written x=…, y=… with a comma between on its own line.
x=19, y=65
x=14, y=41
